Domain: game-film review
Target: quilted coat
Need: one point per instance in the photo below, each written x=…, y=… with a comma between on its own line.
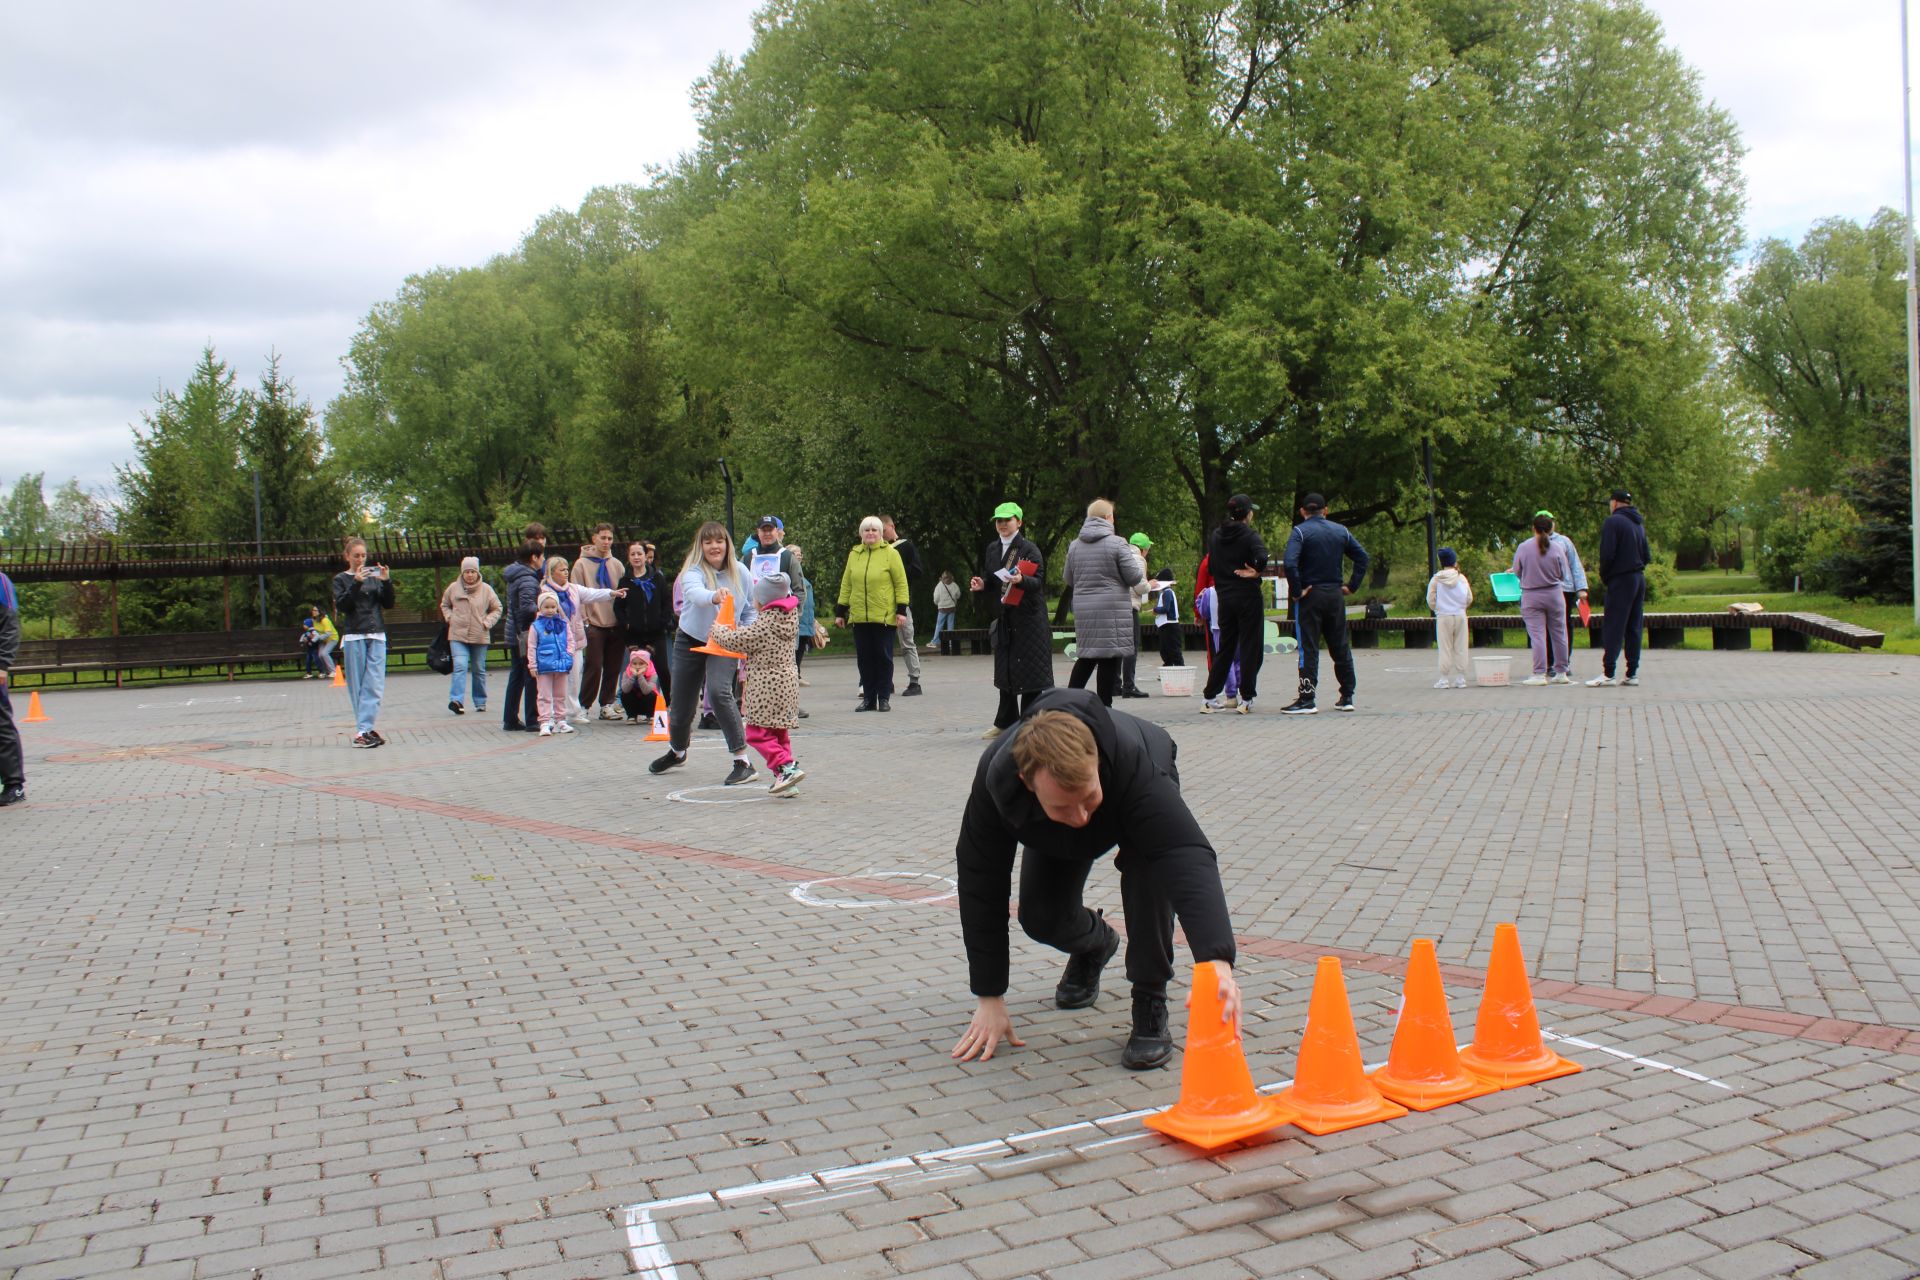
x=1102, y=569
x=1023, y=634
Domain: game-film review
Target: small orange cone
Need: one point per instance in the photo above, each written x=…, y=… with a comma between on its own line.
x=1330, y=1091
x=659, y=731
x=1507, y=1050
x=1423, y=1069
x=1217, y=1103
x=34, y=714
x=339, y=677
x=724, y=620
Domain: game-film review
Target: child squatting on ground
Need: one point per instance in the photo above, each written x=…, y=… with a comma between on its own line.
x=1448, y=595
x=639, y=683
x=550, y=658
x=771, y=707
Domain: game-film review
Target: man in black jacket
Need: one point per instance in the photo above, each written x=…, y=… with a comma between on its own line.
x=1624, y=556
x=1237, y=556
x=13, y=770
x=1315, y=549
x=522, y=580
x=1072, y=781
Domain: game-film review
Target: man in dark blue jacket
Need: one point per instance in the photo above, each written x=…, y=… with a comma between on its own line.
x=13, y=770
x=1314, y=552
x=1624, y=556
x=522, y=580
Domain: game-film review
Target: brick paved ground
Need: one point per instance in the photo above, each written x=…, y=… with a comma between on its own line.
x=280, y=1008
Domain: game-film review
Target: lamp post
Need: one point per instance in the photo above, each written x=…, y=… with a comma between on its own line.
x=1913, y=317
x=726, y=473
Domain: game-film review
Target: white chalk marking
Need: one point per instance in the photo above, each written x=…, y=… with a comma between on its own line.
x=804, y=892
x=190, y=702
x=736, y=795
x=650, y=1257
x=1579, y=1043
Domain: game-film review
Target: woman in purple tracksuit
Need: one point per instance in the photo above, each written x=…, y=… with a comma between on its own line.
x=1540, y=566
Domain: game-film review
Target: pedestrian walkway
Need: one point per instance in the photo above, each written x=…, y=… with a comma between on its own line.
x=280, y=1008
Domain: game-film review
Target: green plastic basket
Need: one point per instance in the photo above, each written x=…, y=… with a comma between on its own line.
x=1506, y=587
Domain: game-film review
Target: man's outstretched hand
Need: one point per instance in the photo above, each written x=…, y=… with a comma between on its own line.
x=1229, y=994
x=991, y=1025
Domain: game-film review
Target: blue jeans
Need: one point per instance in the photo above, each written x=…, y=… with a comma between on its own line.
x=365, y=663
x=942, y=621
x=470, y=657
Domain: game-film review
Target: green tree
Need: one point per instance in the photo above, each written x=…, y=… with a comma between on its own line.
x=301, y=496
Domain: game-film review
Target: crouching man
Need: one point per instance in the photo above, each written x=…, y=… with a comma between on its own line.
x=1073, y=781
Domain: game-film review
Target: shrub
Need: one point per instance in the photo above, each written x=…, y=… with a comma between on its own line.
x=1806, y=531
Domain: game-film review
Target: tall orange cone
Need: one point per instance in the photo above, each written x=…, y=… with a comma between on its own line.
x=1507, y=1050
x=659, y=731
x=724, y=620
x=34, y=714
x=1423, y=1069
x=1330, y=1091
x=1217, y=1103
x=339, y=680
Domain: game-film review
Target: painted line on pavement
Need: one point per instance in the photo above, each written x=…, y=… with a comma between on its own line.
x=804, y=892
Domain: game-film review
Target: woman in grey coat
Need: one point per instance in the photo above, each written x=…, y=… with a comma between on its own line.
x=1102, y=570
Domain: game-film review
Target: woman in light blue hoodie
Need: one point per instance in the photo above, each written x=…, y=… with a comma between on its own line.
x=709, y=573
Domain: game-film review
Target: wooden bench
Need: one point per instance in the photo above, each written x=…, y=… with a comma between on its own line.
x=1792, y=632
x=974, y=639
x=128, y=659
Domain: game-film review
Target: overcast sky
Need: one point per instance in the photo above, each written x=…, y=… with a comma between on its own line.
x=259, y=175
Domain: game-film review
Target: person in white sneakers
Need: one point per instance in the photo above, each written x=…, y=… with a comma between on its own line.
x=1448, y=595
x=1540, y=565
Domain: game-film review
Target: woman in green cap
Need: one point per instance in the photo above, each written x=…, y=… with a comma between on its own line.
x=1022, y=634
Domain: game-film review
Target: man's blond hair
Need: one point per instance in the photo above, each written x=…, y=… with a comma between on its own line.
x=1060, y=743
x=1100, y=509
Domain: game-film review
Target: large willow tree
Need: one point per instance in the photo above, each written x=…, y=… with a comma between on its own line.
x=931, y=253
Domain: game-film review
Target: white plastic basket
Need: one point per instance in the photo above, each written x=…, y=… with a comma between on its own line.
x=1177, y=682
x=1492, y=672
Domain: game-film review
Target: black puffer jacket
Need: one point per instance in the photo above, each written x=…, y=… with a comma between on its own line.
x=357, y=606
x=1141, y=812
x=1023, y=634
x=523, y=598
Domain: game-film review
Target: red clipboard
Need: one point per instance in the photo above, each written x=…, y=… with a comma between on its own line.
x=1018, y=591
x=1586, y=614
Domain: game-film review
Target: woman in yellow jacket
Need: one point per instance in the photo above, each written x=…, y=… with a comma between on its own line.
x=873, y=598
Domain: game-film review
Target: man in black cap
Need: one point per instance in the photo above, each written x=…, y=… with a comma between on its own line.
x=1236, y=556
x=1314, y=552
x=1624, y=556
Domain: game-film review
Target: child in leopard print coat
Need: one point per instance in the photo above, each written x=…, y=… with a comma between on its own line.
x=771, y=707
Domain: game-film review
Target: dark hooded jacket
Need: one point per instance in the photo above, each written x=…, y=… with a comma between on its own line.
x=360, y=604
x=1141, y=812
x=1233, y=545
x=1022, y=634
x=1623, y=545
x=647, y=609
x=523, y=598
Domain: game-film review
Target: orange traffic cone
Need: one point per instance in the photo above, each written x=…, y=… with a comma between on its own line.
x=34, y=714
x=1423, y=1069
x=724, y=620
x=1217, y=1102
x=1330, y=1091
x=659, y=731
x=1507, y=1050
x=339, y=680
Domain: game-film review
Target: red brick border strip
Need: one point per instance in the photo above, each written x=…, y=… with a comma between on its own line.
x=1793, y=1026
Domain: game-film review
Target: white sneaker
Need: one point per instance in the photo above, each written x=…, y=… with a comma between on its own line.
x=610, y=713
x=546, y=731
x=803, y=682
x=1562, y=678
x=1600, y=682
x=993, y=731
x=566, y=728
x=1631, y=682
x=1245, y=708
x=1444, y=684
x=1209, y=706
x=1534, y=680
x=1459, y=684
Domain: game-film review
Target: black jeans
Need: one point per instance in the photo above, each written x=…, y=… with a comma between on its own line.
x=873, y=655
x=1052, y=912
x=13, y=768
x=1322, y=612
x=1106, y=674
x=1013, y=706
x=1620, y=624
x=1170, y=654
x=1243, y=625
x=521, y=707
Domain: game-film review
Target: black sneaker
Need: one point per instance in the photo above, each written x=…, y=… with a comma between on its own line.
x=1345, y=703
x=1133, y=693
x=1302, y=707
x=1080, y=981
x=886, y=704
x=742, y=773
x=12, y=795
x=1151, y=1044
x=378, y=741
x=867, y=704
x=671, y=760
x=362, y=740
x=456, y=708
x=912, y=690
x=708, y=722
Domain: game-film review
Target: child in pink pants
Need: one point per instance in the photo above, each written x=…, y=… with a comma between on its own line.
x=771, y=707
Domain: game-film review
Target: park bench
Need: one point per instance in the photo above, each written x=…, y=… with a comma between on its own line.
x=1791, y=631
x=127, y=659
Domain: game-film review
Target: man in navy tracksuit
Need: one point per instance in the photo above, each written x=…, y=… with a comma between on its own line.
x=1314, y=551
x=13, y=770
x=1623, y=567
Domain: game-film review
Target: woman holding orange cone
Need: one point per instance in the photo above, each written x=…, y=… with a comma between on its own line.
x=709, y=578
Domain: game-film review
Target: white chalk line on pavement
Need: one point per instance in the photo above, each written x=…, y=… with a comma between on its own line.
x=652, y=1260
x=804, y=892
x=735, y=795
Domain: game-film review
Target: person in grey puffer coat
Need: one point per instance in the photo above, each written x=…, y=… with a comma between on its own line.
x=1102, y=570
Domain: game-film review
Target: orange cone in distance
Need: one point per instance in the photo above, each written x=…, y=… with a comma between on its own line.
x=1507, y=1050
x=658, y=733
x=1217, y=1103
x=1423, y=1069
x=725, y=619
x=34, y=714
x=1330, y=1090
x=339, y=680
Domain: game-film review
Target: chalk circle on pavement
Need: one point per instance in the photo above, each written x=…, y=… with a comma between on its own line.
x=733, y=795
x=827, y=891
